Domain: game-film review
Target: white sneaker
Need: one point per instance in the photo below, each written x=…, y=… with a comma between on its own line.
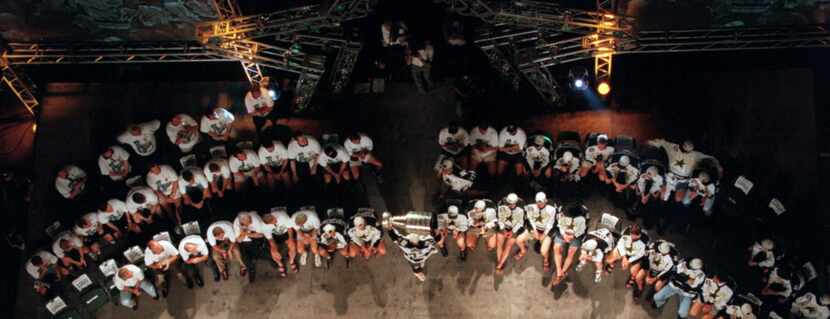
x=303, y=259
x=579, y=267
x=597, y=277
x=318, y=261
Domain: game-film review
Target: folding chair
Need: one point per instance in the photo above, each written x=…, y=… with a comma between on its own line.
x=92, y=297
x=59, y=310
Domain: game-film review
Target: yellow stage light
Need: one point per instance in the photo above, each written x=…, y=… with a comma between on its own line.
x=603, y=88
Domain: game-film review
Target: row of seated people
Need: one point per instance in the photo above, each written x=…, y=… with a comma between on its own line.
x=648, y=262
x=247, y=238
x=652, y=171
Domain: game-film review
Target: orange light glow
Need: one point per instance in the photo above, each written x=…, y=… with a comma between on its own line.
x=603, y=88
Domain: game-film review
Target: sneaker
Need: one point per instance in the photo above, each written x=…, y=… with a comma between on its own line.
x=317, y=261
x=579, y=267
x=303, y=259
x=597, y=277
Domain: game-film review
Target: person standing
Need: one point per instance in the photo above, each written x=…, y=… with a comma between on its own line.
x=70, y=182
x=421, y=63
x=193, y=251
x=416, y=249
x=260, y=106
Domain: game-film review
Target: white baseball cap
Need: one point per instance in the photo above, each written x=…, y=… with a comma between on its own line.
x=767, y=244
x=746, y=309
x=512, y=198
x=413, y=238
x=447, y=164
x=452, y=210
x=589, y=244
x=653, y=171
x=328, y=228
x=664, y=248
x=539, y=140
x=824, y=300
x=601, y=138
x=624, y=160
x=567, y=156
x=480, y=204
x=696, y=264
x=541, y=197
x=359, y=221
x=688, y=146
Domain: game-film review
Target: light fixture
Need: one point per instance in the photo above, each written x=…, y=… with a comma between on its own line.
x=603, y=88
x=579, y=84
x=578, y=78
x=34, y=128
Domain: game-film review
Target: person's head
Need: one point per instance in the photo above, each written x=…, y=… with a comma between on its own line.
x=213, y=167
x=652, y=171
x=413, y=238
x=107, y=152
x=664, y=248
x=64, y=244
x=452, y=211
x=218, y=233
x=300, y=219
x=268, y=144
x=539, y=141
x=452, y=128
x=63, y=173
x=589, y=246
x=176, y=120
x=191, y=248
x=746, y=309
x=512, y=129
x=255, y=90
x=479, y=205
x=541, y=199
x=602, y=141
x=105, y=207
x=83, y=222
x=696, y=264
x=824, y=300
x=240, y=155
x=139, y=198
x=447, y=165
x=187, y=175
x=155, y=168
x=329, y=229
x=125, y=273
x=512, y=199
x=212, y=114
x=703, y=177
x=625, y=161
x=269, y=219
x=155, y=247
x=482, y=127
x=135, y=130
x=354, y=137
x=330, y=151
x=245, y=220
x=687, y=146
x=767, y=244
x=359, y=223
x=36, y=261
x=635, y=232
x=715, y=276
x=567, y=156
x=301, y=138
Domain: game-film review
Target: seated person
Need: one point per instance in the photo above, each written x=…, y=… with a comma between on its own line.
x=779, y=287
x=567, y=167
x=657, y=268
x=193, y=251
x=452, y=225
x=307, y=228
x=115, y=163
x=541, y=218
x=93, y=234
x=538, y=158
x=44, y=268
x=279, y=229
x=130, y=282
x=366, y=240
x=217, y=124
x=713, y=297
x=622, y=174
x=571, y=226
x=70, y=181
x=183, y=131
x=683, y=161
x=331, y=242
x=595, y=158
x=650, y=185
x=743, y=311
x=163, y=259
x=71, y=251
x=762, y=255
x=221, y=237
x=485, y=145
x=244, y=165
x=807, y=306
x=303, y=153
x=274, y=158
x=141, y=137
x=701, y=187
x=481, y=223
x=512, y=140
x=218, y=174
x=454, y=142
x=113, y=215
x=359, y=147
x=631, y=251
x=595, y=248
x=194, y=187
x=143, y=208
x=686, y=283
x=250, y=235
x=511, y=221
x=334, y=161
x=163, y=179
x=453, y=177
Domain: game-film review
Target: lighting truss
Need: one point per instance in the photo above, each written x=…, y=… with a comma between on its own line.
x=550, y=16
x=272, y=56
x=109, y=52
x=729, y=39
x=227, y=9
x=343, y=67
x=20, y=86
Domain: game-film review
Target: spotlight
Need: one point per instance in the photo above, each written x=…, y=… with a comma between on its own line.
x=579, y=78
x=603, y=88
x=579, y=84
x=34, y=128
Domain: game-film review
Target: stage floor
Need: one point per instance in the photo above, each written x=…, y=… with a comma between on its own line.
x=404, y=125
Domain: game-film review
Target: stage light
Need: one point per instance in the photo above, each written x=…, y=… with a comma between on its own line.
x=578, y=78
x=34, y=128
x=603, y=88
x=579, y=84
x=273, y=94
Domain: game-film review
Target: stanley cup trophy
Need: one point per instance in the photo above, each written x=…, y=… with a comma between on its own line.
x=411, y=223
x=412, y=233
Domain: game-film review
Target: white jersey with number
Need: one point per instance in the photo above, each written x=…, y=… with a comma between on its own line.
x=340, y=157
x=453, y=143
x=593, y=152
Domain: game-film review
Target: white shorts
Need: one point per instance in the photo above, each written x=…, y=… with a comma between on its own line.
x=486, y=157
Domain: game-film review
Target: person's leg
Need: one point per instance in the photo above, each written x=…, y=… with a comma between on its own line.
x=663, y=295
x=521, y=241
x=492, y=168
x=501, y=167
x=354, y=250
x=125, y=298
x=639, y=279
x=472, y=240
x=545, y=251
x=569, y=259
x=292, y=252
x=508, y=247
x=381, y=249
x=683, y=308
x=416, y=77
x=695, y=309
x=355, y=168
x=259, y=122
x=557, y=258
x=220, y=263
x=148, y=287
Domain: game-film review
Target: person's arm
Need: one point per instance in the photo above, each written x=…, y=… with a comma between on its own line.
x=196, y=260
x=294, y=170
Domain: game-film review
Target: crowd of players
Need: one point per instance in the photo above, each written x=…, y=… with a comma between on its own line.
x=651, y=176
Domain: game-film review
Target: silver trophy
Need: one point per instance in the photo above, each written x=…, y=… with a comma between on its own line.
x=411, y=223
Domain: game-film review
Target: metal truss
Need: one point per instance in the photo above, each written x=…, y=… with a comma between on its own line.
x=227, y=9
x=729, y=39
x=342, y=68
x=20, y=86
x=550, y=16
x=306, y=86
x=544, y=83
x=109, y=52
x=472, y=8
x=271, y=56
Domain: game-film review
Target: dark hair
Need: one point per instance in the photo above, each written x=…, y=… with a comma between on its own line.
x=103, y=206
x=36, y=260
x=354, y=135
x=453, y=127
x=213, y=167
x=330, y=151
x=187, y=175
x=298, y=133
x=635, y=229
x=268, y=144
x=139, y=198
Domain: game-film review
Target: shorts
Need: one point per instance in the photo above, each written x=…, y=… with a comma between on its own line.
x=91, y=239
x=357, y=161
x=576, y=242
x=511, y=158
x=279, y=239
x=463, y=153
x=485, y=157
x=676, y=182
